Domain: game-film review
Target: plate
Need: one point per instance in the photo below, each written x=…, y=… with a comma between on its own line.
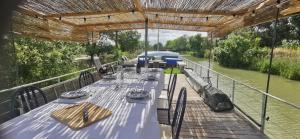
x=153, y=70
x=151, y=78
x=74, y=94
x=137, y=94
x=110, y=76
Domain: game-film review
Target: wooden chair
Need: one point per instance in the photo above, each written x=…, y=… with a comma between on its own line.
x=164, y=105
x=173, y=130
x=26, y=99
x=69, y=86
x=166, y=90
x=59, y=89
x=85, y=78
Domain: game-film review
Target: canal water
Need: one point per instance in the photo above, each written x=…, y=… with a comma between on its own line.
x=283, y=120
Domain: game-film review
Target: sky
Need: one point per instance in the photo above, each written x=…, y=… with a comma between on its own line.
x=165, y=35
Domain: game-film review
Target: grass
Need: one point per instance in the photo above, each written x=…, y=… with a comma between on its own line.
x=190, y=57
x=175, y=70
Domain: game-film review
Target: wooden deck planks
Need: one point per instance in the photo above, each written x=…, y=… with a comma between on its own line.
x=200, y=122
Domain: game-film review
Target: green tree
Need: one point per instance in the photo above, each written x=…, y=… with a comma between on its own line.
x=179, y=44
x=239, y=49
x=38, y=59
x=295, y=22
x=128, y=40
x=198, y=45
x=157, y=46
x=287, y=29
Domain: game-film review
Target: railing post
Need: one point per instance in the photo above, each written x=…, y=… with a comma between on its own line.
x=200, y=71
x=263, y=112
x=233, y=88
x=217, y=81
x=265, y=98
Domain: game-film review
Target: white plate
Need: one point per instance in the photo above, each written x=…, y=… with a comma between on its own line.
x=154, y=70
x=151, y=78
x=137, y=94
x=74, y=94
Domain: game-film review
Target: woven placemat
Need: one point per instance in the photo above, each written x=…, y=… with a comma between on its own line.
x=72, y=116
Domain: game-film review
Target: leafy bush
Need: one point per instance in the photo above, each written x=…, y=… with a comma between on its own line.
x=285, y=68
x=239, y=50
x=290, y=44
x=37, y=60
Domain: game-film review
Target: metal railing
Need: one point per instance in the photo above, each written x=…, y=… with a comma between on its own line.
x=283, y=117
x=5, y=94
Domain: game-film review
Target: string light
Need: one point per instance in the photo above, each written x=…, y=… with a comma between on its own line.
x=253, y=13
x=156, y=15
x=279, y=5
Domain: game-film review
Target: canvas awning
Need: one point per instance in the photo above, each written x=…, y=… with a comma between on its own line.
x=77, y=20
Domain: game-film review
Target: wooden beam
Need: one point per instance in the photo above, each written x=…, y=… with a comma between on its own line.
x=152, y=25
x=201, y=24
x=88, y=13
x=138, y=5
x=294, y=7
x=112, y=23
x=194, y=12
x=28, y=12
x=153, y=21
x=34, y=14
x=62, y=21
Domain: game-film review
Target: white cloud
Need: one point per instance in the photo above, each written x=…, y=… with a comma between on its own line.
x=165, y=35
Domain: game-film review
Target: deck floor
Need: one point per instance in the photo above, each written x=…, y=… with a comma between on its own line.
x=201, y=122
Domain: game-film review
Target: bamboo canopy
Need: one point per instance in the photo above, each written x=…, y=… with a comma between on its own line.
x=77, y=20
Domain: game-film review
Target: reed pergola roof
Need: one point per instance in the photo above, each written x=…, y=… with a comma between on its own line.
x=76, y=20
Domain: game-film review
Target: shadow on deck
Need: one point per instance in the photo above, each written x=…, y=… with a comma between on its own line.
x=201, y=122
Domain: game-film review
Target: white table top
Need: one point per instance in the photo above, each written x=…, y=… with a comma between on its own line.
x=128, y=120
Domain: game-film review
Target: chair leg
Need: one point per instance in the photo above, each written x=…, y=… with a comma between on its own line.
x=169, y=122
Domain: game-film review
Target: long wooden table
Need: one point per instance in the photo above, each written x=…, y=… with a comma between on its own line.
x=129, y=120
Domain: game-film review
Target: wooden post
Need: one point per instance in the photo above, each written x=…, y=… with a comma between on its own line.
x=116, y=39
x=265, y=97
x=146, y=43
x=157, y=38
x=209, y=56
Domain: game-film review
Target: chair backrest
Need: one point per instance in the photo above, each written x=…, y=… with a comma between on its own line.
x=85, y=78
x=170, y=78
x=102, y=70
x=172, y=89
x=111, y=69
x=124, y=58
x=26, y=99
x=179, y=113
